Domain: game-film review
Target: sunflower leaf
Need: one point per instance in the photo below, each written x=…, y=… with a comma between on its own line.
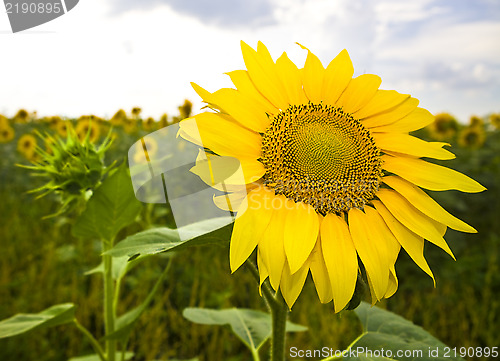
x=165, y=239
x=112, y=207
x=399, y=339
x=252, y=327
x=24, y=322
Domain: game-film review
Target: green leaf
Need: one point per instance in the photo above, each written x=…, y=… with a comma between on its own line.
x=112, y=207
x=95, y=357
x=121, y=265
x=399, y=338
x=252, y=327
x=158, y=240
x=126, y=322
x=24, y=322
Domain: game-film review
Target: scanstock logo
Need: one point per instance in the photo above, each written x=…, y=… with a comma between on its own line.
x=26, y=14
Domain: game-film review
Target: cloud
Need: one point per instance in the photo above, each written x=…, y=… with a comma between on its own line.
x=236, y=13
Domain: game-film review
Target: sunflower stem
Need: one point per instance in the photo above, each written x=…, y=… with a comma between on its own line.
x=267, y=292
x=109, y=293
x=279, y=315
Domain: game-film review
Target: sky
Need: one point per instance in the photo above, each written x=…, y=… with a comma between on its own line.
x=104, y=55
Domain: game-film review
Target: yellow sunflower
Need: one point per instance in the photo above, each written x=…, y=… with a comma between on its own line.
x=444, y=127
x=332, y=176
x=475, y=121
x=62, y=128
x=26, y=145
x=495, y=120
x=472, y=137
x=148, y=124
x=118, y=118
x=87, y=128
x=6, y=133
x=149, y=148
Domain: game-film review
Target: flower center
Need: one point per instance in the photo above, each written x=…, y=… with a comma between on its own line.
x=319, y=155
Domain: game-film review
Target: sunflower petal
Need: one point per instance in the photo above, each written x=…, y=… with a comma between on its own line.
x=393, y=282
x=319, y=273
x=263, y=274
x=407, y=144
x=420, y=200
x=417, y=119
x=262, y=72
x=382, y=101
x=271, y=242
x=392, y=115
x=244, y=84
x=291, y=284
x=412, y=243
x=413, y=219
x=242, y=108
x=338, y=74
x=252, y=221
x=371, y=250
x=430, y=176
x=359, y=92
x=289, y=74
x=300, y=232
x=312, y=76
x=235, y=141
x=341, y=259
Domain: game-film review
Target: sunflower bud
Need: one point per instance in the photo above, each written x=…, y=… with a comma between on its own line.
x=73, y=167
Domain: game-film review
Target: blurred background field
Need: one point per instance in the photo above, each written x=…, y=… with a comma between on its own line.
x=42, y=264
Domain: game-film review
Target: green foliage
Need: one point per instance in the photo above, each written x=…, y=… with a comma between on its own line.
x=95, y=357
x=157, y=240
x=252, y=327
x=389, y=333
x=126, y=322
x=24, y=322
x=112, y=207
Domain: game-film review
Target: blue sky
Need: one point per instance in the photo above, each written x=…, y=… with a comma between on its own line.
x=111, y=54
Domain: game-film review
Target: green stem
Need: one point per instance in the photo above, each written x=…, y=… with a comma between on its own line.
x=279, y=315
x=109, y=314
x=267, y=292
x=255, y=355
x=98, y=349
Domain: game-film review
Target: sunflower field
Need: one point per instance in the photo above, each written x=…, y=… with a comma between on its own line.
x=73, y=233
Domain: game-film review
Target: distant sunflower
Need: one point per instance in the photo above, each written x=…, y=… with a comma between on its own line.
x=62, y=128
x=130, y=125
x=118, y=118
x=163, y=121
x=149, y=124
x=149, y=148
x=331, y=174
x=6, y=133
x=444, y=127
x=21, y=116
x=472, y=137
x=495, y=120
x=475, y=121
x=26, y=145
x=87, y=128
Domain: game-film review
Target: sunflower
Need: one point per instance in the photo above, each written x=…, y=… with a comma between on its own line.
x=118, y=118
x=148, y=124
x=86, y=127
x=6, y=133
x=62, y=128
x=26, y=145
x=475, y=121
x=163, y=121
x=472, y=137
x=147, y=151
x=444, y=127
x=332, y=177
x=495, y=120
